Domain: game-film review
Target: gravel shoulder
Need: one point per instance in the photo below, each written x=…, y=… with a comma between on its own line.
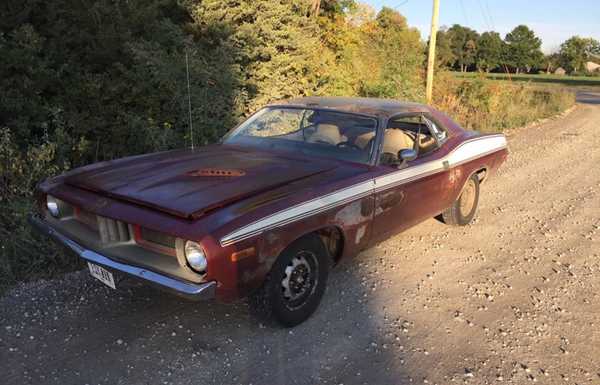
x=511, y=298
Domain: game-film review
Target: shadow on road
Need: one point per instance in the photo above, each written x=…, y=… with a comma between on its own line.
x=588, y=97
x=76, y=331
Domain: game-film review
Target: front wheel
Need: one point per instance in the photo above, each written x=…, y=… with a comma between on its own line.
x=293, y=289
x=463, y=210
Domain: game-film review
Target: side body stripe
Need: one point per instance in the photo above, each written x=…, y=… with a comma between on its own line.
x=465, y=152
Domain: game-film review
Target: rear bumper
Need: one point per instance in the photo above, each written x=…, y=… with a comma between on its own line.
x=193, y=291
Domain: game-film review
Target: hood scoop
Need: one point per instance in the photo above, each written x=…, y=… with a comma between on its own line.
x=216, y=172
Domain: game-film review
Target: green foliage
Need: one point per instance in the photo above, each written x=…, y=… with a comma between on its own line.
x=480, y=104
x=444, y=56
x=90, y=80
x=523, y=48
x=489, y=51
x=277, y=46
x=576, y=51
x=463, y=43
x=382, y=57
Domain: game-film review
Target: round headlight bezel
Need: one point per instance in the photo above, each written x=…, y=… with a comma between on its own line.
x=195, y=257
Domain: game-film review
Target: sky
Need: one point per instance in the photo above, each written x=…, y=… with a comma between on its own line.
x=554, y=21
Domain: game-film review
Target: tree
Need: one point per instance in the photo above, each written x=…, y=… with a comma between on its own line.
x=279, y=49
x=550, y=62
x=576, y=51
x=463, y=43
x=490, y=47
x=392, y=55
x=443, y=51
x=523, y=48
x=390, y=19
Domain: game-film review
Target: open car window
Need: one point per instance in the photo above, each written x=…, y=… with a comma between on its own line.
x=324, y=133
x=407, y=132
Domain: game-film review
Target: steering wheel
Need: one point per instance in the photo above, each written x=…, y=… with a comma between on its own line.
x=348, y=144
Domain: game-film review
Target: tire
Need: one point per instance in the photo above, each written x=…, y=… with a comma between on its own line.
x=295, y=285
x=463, y=210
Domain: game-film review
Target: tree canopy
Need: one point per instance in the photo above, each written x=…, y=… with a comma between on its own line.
x=490, y=50
x=523, y=49
x=463, y=43
x=576, y=51
x=108, y=78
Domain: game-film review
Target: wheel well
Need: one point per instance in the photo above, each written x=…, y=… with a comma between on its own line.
x=333, y=239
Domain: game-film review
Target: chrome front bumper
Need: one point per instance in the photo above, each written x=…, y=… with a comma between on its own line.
x=193, y=291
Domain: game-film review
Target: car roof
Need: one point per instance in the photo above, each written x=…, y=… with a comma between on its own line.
x=367, y=106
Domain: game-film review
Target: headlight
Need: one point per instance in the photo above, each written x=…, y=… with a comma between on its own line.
x=52, y=206
x=195, y=256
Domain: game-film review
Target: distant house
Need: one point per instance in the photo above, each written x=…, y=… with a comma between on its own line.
x=592, y=67
x=560, y=71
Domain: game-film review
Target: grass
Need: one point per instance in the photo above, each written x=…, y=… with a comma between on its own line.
x=547, y=79
x=494, y=105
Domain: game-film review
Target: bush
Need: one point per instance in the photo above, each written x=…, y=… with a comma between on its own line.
x=82, y=82
x=488, y=106
x=20, y=255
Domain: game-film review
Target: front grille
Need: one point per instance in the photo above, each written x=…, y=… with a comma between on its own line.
x=88, y=219
x=161, y=239
x=111, y=230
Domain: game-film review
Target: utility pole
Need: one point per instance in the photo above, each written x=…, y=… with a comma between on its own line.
x=315, y=7
x=432, y=42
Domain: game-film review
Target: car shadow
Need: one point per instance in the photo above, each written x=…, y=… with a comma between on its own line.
x=76, y=331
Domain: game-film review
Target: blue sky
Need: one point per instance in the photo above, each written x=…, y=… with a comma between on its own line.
x=553, y=21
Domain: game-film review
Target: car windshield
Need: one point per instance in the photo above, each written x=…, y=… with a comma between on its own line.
x=330, y=134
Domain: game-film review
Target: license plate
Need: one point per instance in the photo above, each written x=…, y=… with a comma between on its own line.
x=102, y=275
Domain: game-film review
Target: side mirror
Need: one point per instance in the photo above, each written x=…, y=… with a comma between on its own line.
x=407, y=155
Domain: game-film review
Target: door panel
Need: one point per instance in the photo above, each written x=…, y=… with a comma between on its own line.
x=405, y=197
x=402, y=206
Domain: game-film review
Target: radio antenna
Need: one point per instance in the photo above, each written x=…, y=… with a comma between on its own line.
x=187, y=68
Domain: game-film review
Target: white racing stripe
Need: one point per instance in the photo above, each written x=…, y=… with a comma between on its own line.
x=465, y=152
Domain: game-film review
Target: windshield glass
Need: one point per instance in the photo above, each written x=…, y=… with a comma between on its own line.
x=324, y=133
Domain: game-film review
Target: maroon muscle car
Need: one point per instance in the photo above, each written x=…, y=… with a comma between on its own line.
x=268, y=211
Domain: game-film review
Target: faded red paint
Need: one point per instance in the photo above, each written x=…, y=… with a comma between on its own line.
x=169, y=192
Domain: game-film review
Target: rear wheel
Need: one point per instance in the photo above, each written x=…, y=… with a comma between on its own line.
x=293, y=289
x=463, y=210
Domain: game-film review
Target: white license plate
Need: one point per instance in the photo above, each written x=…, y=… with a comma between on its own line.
x=102, y=275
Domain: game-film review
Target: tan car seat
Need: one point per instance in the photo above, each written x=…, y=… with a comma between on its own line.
x=363, y=140
x=396, y=140
x=328, y=133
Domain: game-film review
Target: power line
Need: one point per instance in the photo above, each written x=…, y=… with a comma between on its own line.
x=401, y=4
x=483, y=14
x=489, y=12
x=464, y=11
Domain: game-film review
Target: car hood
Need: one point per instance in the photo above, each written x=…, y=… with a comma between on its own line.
x=190, y=183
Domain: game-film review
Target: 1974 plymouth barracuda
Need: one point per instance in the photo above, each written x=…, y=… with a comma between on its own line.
x=270, y=209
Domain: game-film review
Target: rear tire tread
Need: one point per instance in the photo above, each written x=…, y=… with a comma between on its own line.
x=452, y=215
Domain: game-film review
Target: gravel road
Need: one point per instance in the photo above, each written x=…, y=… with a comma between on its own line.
x=511, y=298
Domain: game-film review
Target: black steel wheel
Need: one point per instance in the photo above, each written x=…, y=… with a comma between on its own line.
x=293, y=289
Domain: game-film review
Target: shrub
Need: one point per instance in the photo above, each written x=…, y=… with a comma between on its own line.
x=486, y=106
x=88, y=81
